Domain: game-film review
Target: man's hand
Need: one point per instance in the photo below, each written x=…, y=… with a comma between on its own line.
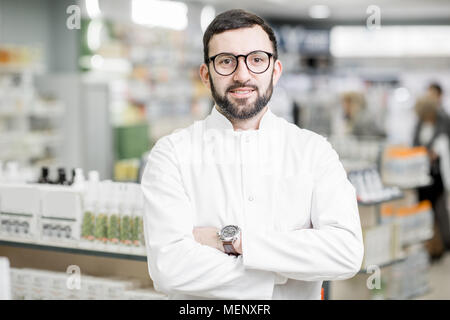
x=208, y=237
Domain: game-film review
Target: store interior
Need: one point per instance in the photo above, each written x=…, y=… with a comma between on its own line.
x=87, y=87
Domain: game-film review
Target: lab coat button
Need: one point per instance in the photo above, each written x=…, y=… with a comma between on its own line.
x=250, y=198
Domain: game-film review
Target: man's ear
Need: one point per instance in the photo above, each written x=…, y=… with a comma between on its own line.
x=277, y=70
x=204, y=75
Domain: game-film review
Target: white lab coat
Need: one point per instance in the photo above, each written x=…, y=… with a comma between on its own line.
x=284, y=186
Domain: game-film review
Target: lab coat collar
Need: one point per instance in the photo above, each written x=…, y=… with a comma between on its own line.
x=216, y=120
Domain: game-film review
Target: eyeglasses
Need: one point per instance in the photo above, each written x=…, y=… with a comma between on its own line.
x=227, y=63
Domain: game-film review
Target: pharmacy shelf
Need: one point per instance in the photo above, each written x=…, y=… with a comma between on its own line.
x=417, y=296
x=417, y=241
x=14, y=69
x=51, y=112
x=374, y=203
x=70, y=248
x=384, y=265
x=415, y=186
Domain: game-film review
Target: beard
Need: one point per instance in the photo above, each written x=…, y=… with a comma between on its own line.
x=232, y=110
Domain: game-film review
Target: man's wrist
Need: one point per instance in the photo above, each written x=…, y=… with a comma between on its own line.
x=220, y=244
x=237, y=244
x=229, y=245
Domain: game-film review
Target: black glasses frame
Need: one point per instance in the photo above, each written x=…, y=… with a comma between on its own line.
x=211, y=59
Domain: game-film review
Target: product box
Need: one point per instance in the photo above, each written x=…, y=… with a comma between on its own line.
x=380, y=245
x=18, y=277
x=18, y=218
x=368, y=216
x=116, y=287
x=93, y=288
x=19, y=292
x=144, y=294
x=5, y=282
x=58, y=281
x=61, y=212
x=36, y=294
x=74, y=295
x=55, y=294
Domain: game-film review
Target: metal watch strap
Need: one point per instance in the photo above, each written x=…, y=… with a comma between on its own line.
x=229, y=249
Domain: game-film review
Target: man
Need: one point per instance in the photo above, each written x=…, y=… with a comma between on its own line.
x=431, y=131
x=277, y=194
x=435, y=91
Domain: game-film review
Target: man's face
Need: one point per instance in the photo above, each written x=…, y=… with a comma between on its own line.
x=242, y=94
x=434, y=93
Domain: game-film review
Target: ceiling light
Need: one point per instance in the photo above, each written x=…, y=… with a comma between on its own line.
x=157, y=13
x=94, y=35
x=319, y=12
x=93, y=9
x=207, y=15
x=390, y=41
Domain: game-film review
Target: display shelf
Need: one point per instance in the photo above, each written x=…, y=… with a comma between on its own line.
x=71, y=248
x=22, y=110
x=417, y=241
x=419, y=295
x=411, y=187
x=15, y=69
x=384, y=265
x=37, y=113
x=374, y=203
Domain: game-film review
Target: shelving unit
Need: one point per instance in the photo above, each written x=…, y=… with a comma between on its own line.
x=383, y=265
x=75, y=249
x=30, y=129
x=371, y=215
x=376, y=203
x=50, y=234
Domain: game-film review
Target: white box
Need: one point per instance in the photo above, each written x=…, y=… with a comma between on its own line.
x=116, y=287
x=19, y=292
x=19, y=209
x=93, y=288
x=5, y=282
x=379, y=245
x=61, y=213
x=144, y=294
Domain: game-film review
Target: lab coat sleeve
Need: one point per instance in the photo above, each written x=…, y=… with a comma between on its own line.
x=333, y=248
x=177, y=263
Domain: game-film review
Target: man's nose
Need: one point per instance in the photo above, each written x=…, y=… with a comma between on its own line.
x=242, y=74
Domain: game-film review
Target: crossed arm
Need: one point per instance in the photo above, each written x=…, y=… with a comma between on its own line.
x=208, y=237
x=186, y=259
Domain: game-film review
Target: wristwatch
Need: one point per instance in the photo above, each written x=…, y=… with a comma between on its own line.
x=228, y=235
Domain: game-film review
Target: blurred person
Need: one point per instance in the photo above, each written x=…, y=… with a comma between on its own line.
x=431, y=132
x=435, y=91
x=357, y=118
x=244, y=204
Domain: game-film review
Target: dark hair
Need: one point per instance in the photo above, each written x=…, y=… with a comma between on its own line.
x=436, y=86
x=236, y=19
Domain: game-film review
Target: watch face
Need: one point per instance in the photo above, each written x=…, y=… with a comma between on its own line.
x=229, y=232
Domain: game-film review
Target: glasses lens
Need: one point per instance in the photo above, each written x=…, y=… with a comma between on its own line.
x=225, y=64
x=258, y=61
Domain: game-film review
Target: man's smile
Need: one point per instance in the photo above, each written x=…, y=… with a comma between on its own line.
x=243, y=92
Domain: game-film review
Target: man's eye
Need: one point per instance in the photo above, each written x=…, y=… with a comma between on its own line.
x=225, y=61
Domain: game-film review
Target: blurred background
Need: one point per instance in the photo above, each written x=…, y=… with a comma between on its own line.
x=92, y=85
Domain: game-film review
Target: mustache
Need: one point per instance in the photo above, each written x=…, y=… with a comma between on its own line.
x=241, y=85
